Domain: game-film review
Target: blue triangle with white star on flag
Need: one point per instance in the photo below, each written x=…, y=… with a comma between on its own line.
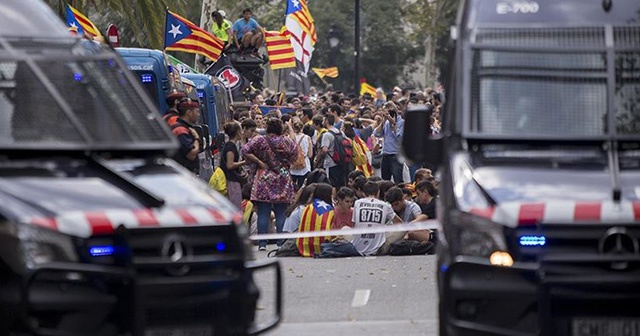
x=321, y=206
x=175, y=30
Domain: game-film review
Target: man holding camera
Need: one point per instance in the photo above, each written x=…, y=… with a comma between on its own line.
x=391, y=130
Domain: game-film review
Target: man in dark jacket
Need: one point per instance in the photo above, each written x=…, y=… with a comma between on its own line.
x=188, y=115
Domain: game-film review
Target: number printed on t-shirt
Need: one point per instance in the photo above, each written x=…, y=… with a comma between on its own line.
x=370, y=216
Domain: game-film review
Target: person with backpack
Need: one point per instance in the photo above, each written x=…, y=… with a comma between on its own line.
x=336, y=153
x=188, y=115
x=301, y=166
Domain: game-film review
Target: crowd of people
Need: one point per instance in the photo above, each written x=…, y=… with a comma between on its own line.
x=331, y=162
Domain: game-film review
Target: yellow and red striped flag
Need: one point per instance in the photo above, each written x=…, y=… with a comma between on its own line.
x=317, y=216
x=182, y=35
x=80, y=23
x=279, y=49
x=366, y=168
x=367, y=88
x=329, y=72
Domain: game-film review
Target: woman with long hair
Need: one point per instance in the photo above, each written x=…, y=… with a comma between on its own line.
x=221, y=28
x=272, y=185
x=294, y=212
x=304, y=144
x=231, y=164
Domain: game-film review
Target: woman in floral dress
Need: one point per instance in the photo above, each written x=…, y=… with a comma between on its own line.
x=272, y=185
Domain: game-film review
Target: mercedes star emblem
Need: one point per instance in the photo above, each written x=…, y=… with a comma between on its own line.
x=176, y=250
x=618, y=241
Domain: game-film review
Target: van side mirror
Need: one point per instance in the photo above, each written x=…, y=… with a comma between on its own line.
x=417, y=142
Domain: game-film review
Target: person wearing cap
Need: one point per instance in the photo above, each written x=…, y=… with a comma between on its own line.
x=171, y=115
x=221, y=27
x=188, y=115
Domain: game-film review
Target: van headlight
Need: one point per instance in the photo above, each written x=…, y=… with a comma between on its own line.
x=24, y=246
x=475, y=236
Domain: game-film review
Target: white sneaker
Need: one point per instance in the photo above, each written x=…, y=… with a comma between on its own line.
x=262, y=248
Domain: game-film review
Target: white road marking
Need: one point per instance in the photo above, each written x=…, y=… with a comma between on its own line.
x=360, y=298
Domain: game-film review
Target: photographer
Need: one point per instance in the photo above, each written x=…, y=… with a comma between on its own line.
x=391, y=129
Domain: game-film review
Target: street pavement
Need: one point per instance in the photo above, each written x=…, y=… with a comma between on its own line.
x=383, y=295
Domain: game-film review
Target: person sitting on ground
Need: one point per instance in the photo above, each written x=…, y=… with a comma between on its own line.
x=317, y=216
x=385, y=185
x=343, y=215
x=409, y=212
x=248, y=31
x=357, y=185
x=294, y=212
x=426, y=198
x=422, y=174
x=371, y=212
x=352, y=176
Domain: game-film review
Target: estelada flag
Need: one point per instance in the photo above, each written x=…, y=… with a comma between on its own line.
x=360, y=145
x=316, y=216
x=182, y=35
x=329, y=72
x=367, y=88
x=80, y=23
x=279, y=49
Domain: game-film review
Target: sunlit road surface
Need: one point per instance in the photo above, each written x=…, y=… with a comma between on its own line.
x=354, y=296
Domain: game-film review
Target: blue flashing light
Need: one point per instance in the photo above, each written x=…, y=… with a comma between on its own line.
x=101, y=251
x=200, y=94
x=77, y=77
x=221, y=246
x=533, y=240
x=146, y=78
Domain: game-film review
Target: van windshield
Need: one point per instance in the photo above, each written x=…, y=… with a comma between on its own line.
x=553, y=93
x=56, y=103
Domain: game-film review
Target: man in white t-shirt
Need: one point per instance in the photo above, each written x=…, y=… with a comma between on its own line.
x=372, y=212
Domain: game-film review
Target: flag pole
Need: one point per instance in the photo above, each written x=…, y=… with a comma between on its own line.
x=166, y=23
x=279, y=79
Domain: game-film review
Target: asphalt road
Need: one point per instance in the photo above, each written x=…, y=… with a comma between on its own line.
x=353, y=296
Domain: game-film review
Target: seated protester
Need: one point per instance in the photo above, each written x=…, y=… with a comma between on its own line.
x=409, y=212
x=189, y=114
x=352, y=176
x=385, y=185
x=426, y=198
x=317, y=216
x=422, y=174
x=316, y=176
x=357, y=185
x=374, y=178
x=372, y=212
x=343, y=210
x=407, y=194
x=294, y=212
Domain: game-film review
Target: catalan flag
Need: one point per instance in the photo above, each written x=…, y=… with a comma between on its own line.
x=182, y=35
x=359, y=144
x=329, y=72
x=303, y=31
x=279, y=49
x=317, y=216
x=80, y=23
x=367, y=88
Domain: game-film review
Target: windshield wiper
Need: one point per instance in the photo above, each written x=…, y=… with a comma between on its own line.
x=125, y=182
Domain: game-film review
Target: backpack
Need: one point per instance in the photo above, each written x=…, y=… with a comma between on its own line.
x=342, y=150
x=299, y=162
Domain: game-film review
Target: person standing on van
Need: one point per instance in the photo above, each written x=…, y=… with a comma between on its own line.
x=221, y=27
x=231, y=164
x=188, y=115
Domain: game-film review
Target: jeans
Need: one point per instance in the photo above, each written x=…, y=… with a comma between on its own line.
x=391, y=167
x=264, y=217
